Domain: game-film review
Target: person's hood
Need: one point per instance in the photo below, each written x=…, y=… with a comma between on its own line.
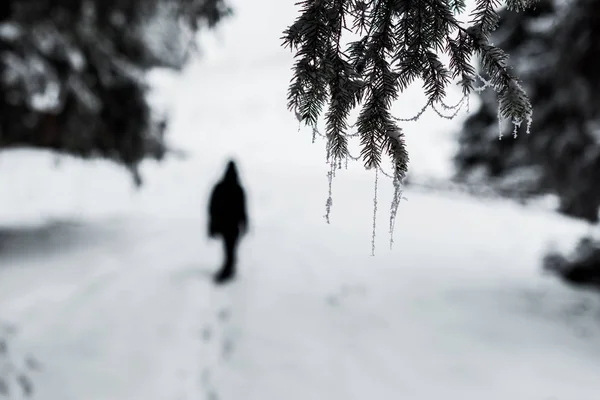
x=231, y=174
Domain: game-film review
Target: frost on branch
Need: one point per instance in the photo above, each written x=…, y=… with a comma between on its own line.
x=395, y=44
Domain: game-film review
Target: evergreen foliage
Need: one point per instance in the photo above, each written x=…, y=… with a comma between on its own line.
x=395, y=44
x=557, y=55
x=400, y=42
x=72, y=72
x=581, y=267
x=556, y=51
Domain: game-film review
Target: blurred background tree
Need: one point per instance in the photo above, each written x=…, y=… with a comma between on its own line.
x=72, y=72
x=555, y=50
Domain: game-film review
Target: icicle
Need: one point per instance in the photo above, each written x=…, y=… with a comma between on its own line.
x=385, y=173
x=416, y=117
x=298, y=117
x=455, y=109
x=394, y=207
x=329, y=201
x=529, y=121
x=516, y=126
x=456, y=106
x=374, y=214
x=499, y=125
x=485, y=84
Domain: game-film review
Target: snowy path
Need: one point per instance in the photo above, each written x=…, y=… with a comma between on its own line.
x=122, y=308
x=120, y=324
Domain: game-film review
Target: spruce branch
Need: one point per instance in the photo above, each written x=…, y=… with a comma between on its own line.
x=457, y=6
x=485, y=17
x=460, y=56
x=519, y=5
x=435, y=77
x=399, y=41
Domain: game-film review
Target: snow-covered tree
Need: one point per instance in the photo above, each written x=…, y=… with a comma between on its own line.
x=555, y=50
x=365, y=53
x=72, y=72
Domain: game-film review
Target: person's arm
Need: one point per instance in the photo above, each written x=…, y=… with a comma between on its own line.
x=244, y=214
x=212, y=212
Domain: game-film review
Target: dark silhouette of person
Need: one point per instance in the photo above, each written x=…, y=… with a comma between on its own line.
x=228, y=219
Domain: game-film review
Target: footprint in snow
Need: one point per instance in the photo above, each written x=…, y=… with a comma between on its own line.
x=333, y=301
x=345, y=292
x=227, y=348
x=205, y=377
x=224, y=314
x=206, y=333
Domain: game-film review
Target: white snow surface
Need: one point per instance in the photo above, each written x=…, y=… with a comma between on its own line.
x=108, y=287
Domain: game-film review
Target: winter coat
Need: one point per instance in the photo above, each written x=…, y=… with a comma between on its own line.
x=227, y=208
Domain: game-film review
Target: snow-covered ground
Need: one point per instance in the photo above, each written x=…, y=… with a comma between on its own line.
x=108, y=286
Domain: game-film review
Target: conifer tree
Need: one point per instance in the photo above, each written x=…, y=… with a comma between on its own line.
x=556, y=51
x=73, y=72
x=556, y=56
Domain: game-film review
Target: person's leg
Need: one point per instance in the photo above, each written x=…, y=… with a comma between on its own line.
x=230, y=247
x=228, y=270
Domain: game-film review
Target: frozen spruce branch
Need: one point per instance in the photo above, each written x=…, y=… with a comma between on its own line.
x=394, y=43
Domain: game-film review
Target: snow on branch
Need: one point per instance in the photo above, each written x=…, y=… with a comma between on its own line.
x=394, y=44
